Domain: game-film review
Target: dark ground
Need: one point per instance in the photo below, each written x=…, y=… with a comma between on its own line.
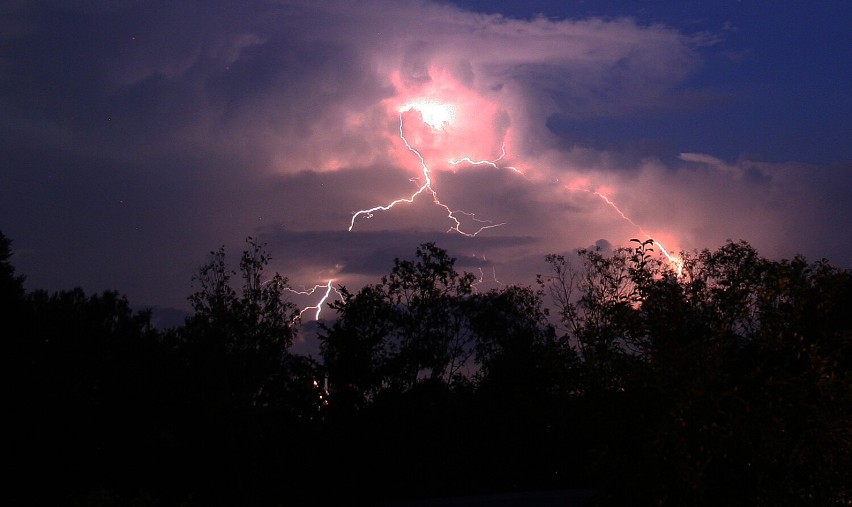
x=565, y=498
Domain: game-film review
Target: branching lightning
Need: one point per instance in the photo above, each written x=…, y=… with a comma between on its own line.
x=492, y=163
x=436, y=116
x=329, y=288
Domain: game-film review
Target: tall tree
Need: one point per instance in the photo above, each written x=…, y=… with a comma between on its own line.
x=727, y=382
x=445, y=390
x=251, y=327
x=11, y=286
x=243, y=386
x=409, y=327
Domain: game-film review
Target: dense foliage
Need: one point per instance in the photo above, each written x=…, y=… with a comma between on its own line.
x=722, y=380
x=727, y=383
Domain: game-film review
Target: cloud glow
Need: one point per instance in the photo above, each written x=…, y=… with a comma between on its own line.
x=177, y=128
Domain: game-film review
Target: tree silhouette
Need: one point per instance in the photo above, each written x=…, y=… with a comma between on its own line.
x=11, y=286
x=241, y=380
x=728, y=383
x=524, y=399
x=409, y=327
x=725, y=382
x=467, y=389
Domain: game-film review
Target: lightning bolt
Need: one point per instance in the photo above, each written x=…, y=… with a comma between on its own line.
x=481, y=280
x=425, y=188
x=329, y=288
x=437, y=116
x=674, y=260
x=492, y=163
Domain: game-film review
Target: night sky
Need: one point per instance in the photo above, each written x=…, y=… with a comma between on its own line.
x=137, y=136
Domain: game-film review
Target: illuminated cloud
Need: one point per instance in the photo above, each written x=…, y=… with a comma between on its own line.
x=139, y=131
x=309, y=85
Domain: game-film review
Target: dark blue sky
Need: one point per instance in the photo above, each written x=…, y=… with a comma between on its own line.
x=777, y=80
x=135, y=137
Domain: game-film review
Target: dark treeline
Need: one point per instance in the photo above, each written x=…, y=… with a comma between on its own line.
x=726, y=382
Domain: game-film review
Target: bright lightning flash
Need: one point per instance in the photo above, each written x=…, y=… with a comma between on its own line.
x=435, y=114
x=329, y=288
x=441, y=117
x=438, y=116
x=674, y=260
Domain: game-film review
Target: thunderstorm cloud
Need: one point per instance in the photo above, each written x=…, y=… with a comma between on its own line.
x=137, y=136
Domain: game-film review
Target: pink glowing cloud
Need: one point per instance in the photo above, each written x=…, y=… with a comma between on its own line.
x=202, y=124
x=512, y=73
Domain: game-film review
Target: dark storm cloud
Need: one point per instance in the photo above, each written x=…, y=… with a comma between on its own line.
x=372, y=253
x=159, y=76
